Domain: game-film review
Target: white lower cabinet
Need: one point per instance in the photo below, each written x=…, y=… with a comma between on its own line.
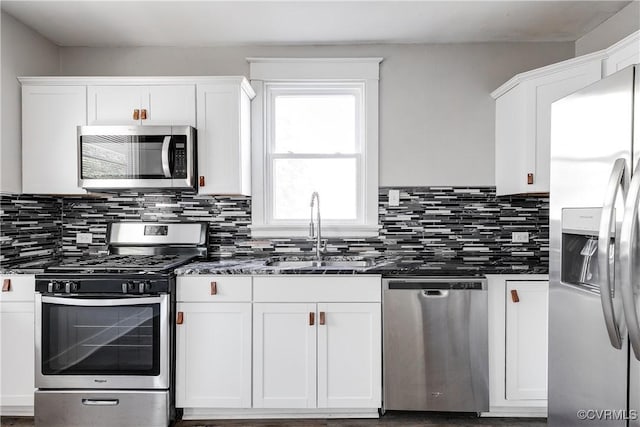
x=17, y=349
x=518, y=344
x=349, y=357
x=526, y=340
x=279, y=346
x=284, y=355
x=213, y=342
x=213, y=357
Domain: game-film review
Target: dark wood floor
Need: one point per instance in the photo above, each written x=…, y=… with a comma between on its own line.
x=396, y=419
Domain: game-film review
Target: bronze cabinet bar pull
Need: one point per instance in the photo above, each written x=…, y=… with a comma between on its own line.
x=529, y=178
x=143, y=114
x=321, y=321
x=201, y=181
x=312, y=318
x=214, y=288
x=6, y=285
x=180, y=318
x=136, y=114
x=514, y=296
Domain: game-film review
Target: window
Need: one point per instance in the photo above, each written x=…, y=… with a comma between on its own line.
x=314, y=134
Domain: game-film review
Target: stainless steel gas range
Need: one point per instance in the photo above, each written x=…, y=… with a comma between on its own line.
x=105, y=329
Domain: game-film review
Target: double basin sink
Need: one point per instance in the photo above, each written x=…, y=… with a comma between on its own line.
x=332, y=264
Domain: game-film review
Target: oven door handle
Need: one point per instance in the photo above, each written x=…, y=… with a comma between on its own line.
x=110, y=302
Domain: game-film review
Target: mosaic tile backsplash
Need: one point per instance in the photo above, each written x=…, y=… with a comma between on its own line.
x=456, y=224
x=30, y=228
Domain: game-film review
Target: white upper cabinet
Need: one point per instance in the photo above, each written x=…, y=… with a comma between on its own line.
x=224, y=136
x=53, y=108
x=50, y=116
x=169, y=105
x=523, y=121
x=622, y=54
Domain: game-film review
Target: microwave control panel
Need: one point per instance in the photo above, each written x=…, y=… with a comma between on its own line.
x=180, y=157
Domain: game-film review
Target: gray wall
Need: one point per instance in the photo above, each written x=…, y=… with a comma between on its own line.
x=24, y=53
x=436, y=115
x=610, y=31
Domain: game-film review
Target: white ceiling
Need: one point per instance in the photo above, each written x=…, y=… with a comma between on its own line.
x=204, y=23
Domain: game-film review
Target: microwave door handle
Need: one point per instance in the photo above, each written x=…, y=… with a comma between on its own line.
x=166, y=167
x=619, y=178
x=628, y=286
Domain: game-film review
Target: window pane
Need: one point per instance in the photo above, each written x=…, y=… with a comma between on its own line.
x=295, y=180
x=315, y=124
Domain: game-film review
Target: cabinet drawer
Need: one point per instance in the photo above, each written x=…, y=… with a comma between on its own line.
x=322, y=288
x=213, y=288
x=20, y=287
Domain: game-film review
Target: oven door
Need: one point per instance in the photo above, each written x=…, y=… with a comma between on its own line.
x=124, y=157
x=102, y=343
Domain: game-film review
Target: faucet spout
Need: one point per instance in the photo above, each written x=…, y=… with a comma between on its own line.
x=315, y=197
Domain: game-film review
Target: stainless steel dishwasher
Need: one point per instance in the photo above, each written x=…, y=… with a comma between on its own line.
x=435, y=344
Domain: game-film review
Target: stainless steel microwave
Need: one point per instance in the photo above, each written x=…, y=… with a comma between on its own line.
x=136, y=157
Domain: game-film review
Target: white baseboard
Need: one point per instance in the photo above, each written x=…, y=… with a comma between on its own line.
x=515, y=411
x=235, y=414
x=16, y=411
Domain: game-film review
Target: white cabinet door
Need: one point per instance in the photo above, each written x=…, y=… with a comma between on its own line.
x=349, y=355
x=167, y=105
x=213, y=355
x=523, y=124
x=17, y=350
x=224, y=151
x=622, y=54
x=284, y=355
x=547, y=90
x=114, y=105
x=170, y=105
x=50, y=115
x=526, y=339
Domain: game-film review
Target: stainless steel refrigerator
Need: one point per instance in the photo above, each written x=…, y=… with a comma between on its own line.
x=594, y=336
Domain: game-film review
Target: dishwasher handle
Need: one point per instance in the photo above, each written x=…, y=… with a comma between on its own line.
x=427, y=293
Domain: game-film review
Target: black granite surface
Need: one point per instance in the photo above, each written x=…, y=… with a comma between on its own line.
x=385, y=266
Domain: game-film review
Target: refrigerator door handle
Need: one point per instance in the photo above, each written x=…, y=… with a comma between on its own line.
x=627, y=267
x=618, y=179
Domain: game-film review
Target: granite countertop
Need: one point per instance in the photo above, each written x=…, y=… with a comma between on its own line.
x=28, y=267
x=385, y=266
x=260, y=266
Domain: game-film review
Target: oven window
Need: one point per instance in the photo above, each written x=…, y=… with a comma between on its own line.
x=110, y=340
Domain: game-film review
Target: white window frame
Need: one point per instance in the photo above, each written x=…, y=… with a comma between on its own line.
x=271, y=76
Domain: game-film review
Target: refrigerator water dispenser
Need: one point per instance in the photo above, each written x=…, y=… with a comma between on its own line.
x=580, y=229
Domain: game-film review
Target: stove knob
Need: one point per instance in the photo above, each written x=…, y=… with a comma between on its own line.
x=50, y=287
x=124, y=287
x=70, y=287
x=144, y=287
x=57, y=287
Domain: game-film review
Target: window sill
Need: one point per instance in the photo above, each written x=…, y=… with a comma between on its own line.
x=289, y=231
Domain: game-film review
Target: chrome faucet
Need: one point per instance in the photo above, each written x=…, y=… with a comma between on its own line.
x=316, y=197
